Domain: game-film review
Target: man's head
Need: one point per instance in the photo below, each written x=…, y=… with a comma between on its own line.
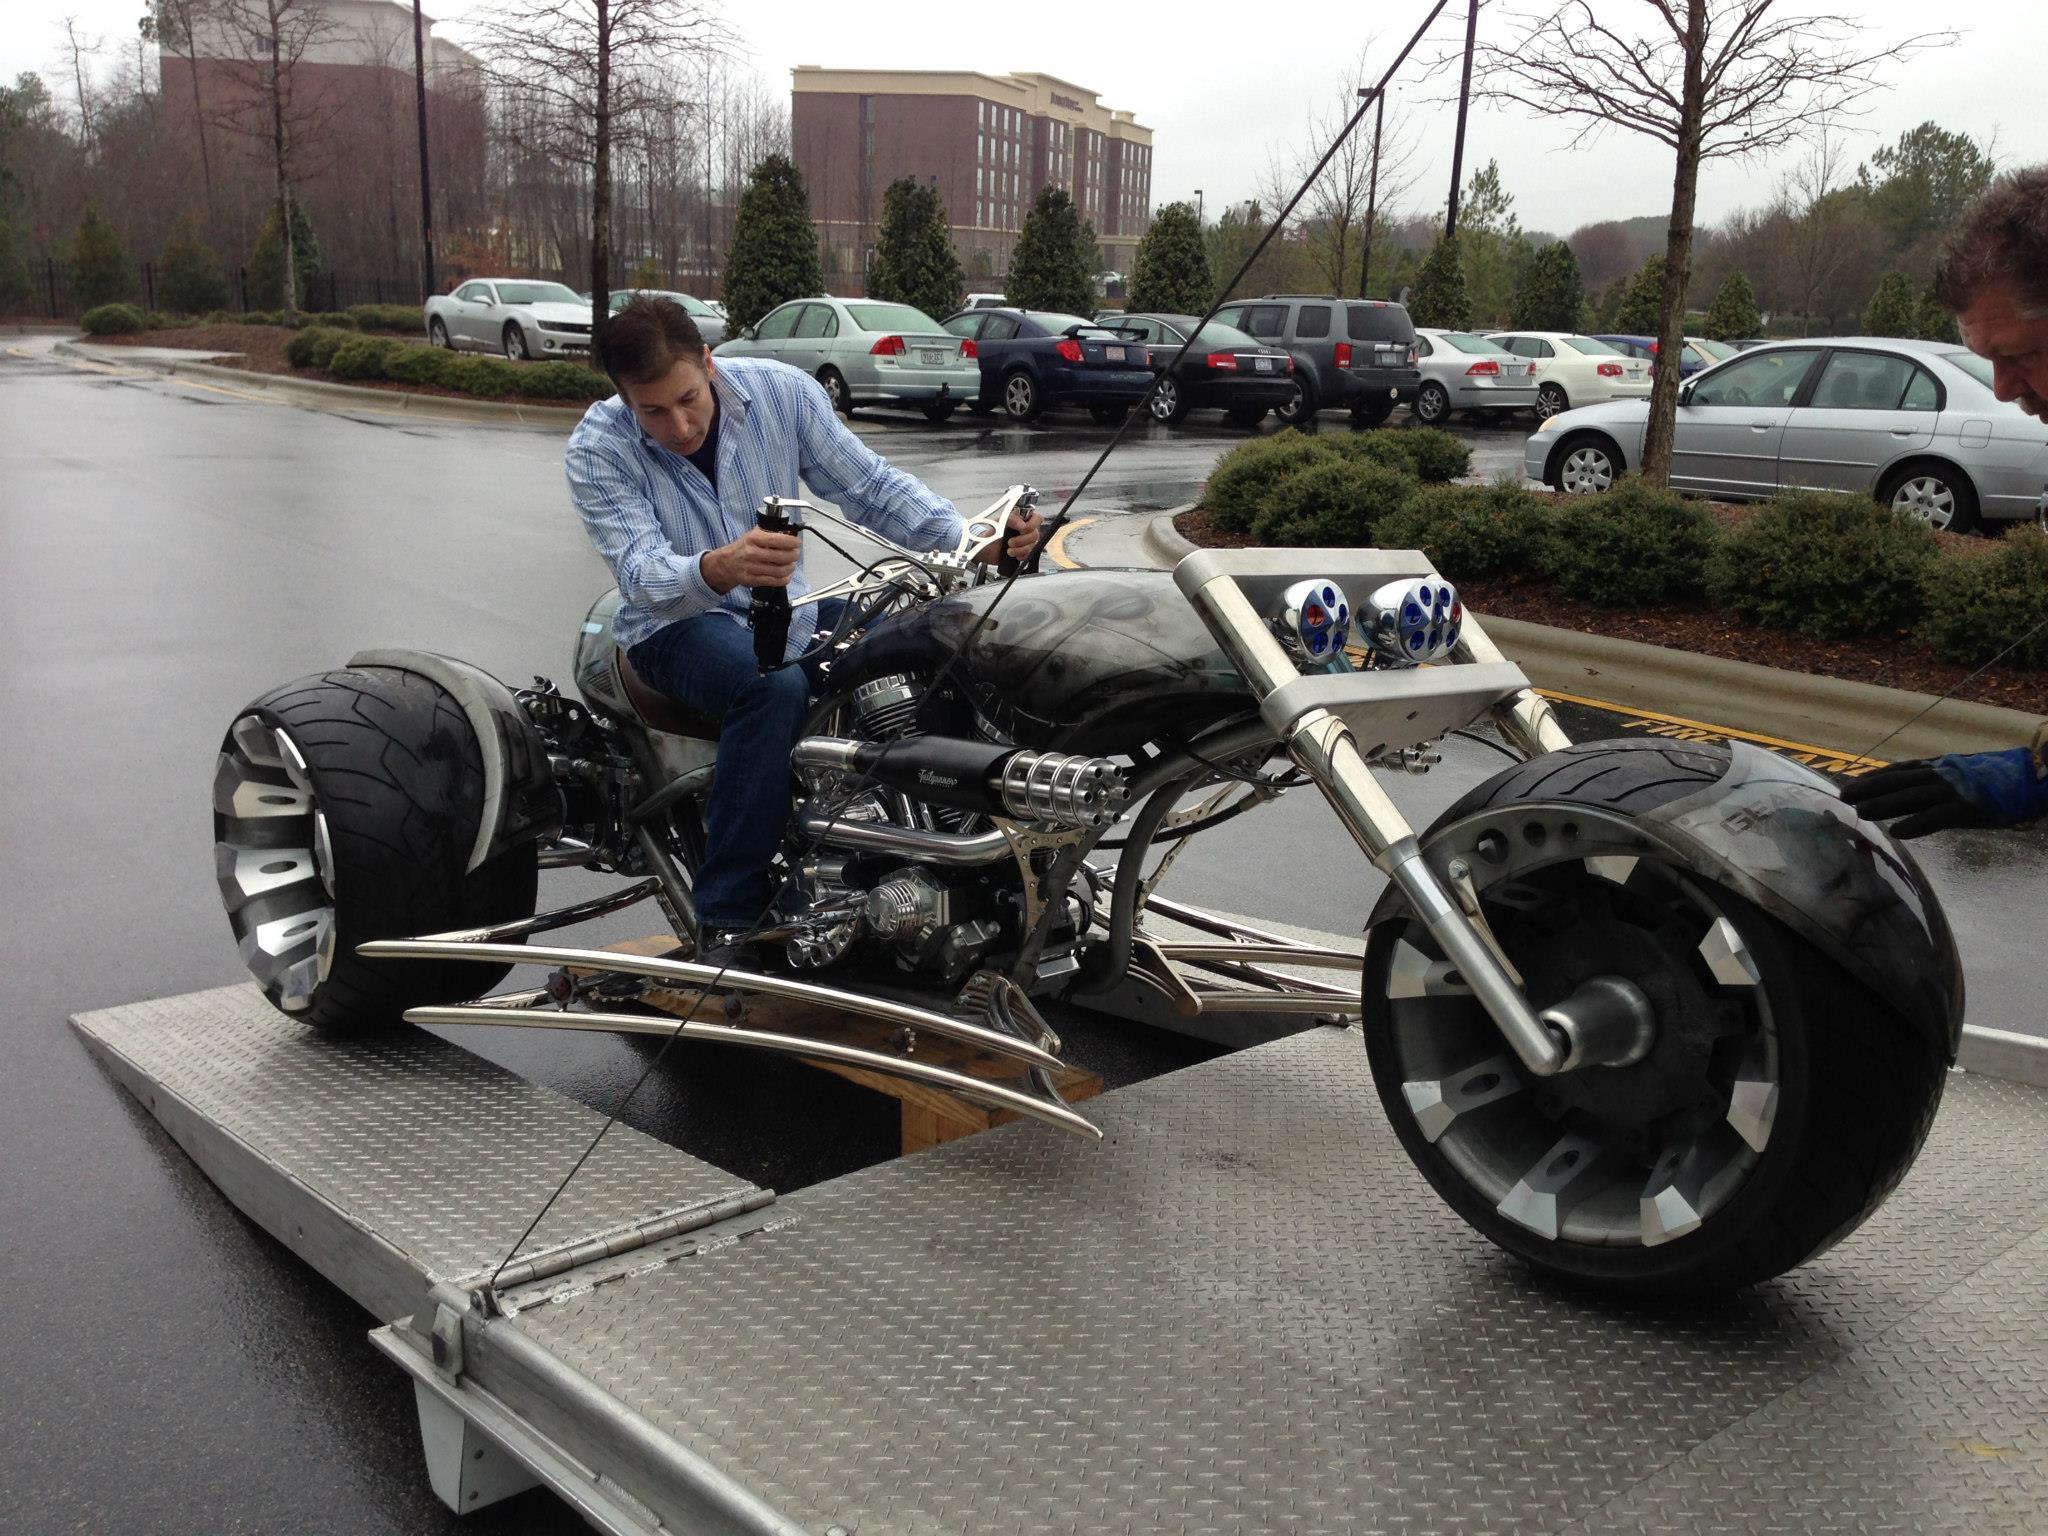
x=1993, y=273
x=655, y=354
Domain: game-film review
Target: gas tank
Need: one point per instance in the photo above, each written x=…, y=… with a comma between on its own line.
x=1095, y=661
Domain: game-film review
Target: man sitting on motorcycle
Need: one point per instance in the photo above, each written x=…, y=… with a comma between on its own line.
x=667, y=475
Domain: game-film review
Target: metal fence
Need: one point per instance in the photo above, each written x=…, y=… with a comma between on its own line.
x=50, y=296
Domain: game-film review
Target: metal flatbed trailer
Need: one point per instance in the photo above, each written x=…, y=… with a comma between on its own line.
x=1243, y=1311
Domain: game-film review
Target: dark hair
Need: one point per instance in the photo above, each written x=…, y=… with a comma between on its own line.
x=2002, y=238
x=647, y=337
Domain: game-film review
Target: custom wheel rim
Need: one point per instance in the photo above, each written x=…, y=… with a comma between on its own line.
x=1928, y=498
x=1549, y=401
x=1616, y=1156
x=274, y=861
x=1017, y=396
x=1587, y=470
x=1165, y=400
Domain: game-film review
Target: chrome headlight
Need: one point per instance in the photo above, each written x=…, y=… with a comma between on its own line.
x=1413, y=621
x=1314, y=621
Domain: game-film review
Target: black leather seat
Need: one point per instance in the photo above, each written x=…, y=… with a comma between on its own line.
x=659, y=712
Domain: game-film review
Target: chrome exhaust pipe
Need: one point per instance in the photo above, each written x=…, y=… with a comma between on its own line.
x=947, y=849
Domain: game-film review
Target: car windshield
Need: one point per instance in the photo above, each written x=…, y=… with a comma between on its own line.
x=536, y=293
x=891, y=317
x=1975, y=366
x=1591, y=347
x=1719, y=351
x=1465, y=343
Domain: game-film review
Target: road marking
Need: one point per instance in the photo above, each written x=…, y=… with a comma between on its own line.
x=1678, y=728
x=1055, y=546
x=222, y=389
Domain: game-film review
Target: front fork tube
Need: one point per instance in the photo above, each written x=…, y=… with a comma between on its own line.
x=1322, y=745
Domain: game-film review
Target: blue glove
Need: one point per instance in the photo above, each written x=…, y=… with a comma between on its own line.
x=1977, y=789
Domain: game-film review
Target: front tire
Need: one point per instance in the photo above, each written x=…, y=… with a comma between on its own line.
x=1585, y=466
x=515, y=343
x=345, y=808
x=1777, y=1100
x=1432, y=404
x=437, y=333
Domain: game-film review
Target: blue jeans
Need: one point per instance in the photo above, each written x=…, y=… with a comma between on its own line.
x=707, y=663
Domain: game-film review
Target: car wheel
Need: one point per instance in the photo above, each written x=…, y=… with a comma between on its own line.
x=1585, y=466
x=1372, y=414
x=1299, y=409
x=939, y=410
x=515, y=343
x=980, y=407
x=437, y=333
x=1245, y=416
x=1551, y=399
x=1168, y=404
x=835, y=390
x=1936, y=494
x=1021, y=400
x=1432, y=404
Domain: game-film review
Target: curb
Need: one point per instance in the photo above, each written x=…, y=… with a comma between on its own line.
x=1826, y=712
x=322, y=393
x=26, y=328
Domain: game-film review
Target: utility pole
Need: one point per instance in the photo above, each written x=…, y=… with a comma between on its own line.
x=419, y=76
x=1464, y=102
x=1372, y=193
x=1199, y=222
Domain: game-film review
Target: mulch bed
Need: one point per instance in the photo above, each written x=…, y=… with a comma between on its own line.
x=261, y=350
x=1889, y=661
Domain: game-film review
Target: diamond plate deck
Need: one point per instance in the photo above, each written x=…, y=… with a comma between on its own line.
x=1246, y=1312
x=393, y=1162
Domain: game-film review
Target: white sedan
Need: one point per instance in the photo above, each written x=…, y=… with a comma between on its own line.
x=516, y=316
x=1575, y=370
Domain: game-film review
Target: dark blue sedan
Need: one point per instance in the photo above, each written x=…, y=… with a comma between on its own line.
x=1032, y=359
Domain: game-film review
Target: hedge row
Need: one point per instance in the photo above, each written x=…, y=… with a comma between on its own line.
x=127, y=319
x=1832, y=567
x=354, y=358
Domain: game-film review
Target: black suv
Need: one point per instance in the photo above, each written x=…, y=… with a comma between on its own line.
x=1358, y=353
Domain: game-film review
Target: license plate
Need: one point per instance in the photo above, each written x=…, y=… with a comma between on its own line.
x=1635, y=373
x=931, y=357
x=1262, y=365
x=1114, y=354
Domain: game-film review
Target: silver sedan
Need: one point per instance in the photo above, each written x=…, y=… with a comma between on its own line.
x=867, y=352
x=710, y=322
x=1913, y=423
x=1462, y=372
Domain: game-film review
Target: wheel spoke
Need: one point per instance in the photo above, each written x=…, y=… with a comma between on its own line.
x=246, y=873
x=1414, y=974
x=1752, y=1108
x=1728, y=957
x=1617, y=868
x=1439, y=1102
x=1534, y=1202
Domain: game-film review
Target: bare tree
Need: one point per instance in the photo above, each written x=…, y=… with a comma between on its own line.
x=595, y=69
x=1811, y=192
x=1708, y=79
x=80, y=50
x=169, y=25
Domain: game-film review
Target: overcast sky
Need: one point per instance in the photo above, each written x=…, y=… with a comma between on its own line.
x=1221, y=93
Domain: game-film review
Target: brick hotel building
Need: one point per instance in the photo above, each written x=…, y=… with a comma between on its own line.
x=987, y=143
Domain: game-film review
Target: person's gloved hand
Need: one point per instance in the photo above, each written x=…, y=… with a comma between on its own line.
x=1978, y=789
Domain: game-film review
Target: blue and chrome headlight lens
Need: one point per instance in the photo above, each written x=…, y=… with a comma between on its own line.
x=1413, y=621
x=1314, y=621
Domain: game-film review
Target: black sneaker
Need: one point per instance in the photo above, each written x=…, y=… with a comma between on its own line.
x=730, y=948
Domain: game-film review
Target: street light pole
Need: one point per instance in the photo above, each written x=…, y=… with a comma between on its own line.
x=1199, y=223
x=1372, y=194
x=1464, y=102
x=419, y=76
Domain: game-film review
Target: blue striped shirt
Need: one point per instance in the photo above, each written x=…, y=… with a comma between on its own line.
x=652, y=514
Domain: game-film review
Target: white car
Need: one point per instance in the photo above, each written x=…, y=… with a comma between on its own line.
x=1575, y=370
x=1463, y=372
x=517, y=316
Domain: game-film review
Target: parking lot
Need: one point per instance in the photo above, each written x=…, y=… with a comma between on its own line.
x=172, y=552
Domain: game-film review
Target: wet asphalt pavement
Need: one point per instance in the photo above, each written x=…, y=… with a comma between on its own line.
x=171, y=552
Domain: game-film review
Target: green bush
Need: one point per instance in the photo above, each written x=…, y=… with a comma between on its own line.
x=563, y=381
x=259, y=317
x=1827, y=566
x=1631, y=546
x=488, y=378
x=114, y=320
x=422, y=365
x=1245, y=476
x=313, y=347
x=1470, y=531
x=1977, y=605
x=361, y=357
x=1336, y=502
x=339, y=320
x=1431, y=456
x=406, y=319
x=220, y=317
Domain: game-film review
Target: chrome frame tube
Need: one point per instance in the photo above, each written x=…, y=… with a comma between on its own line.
x=702, y=977
x=966, y=1087
x=951, y=850
x=1218, y=1000
x=1527, y=719
x=1253, y=954
x=544, y=922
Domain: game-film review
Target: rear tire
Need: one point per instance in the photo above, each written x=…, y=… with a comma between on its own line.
x=836, y=390
x=1169, y=405
x=1301, y=409
x=1780, y=1096
x=1021, y=398
x=1432, y=404
x=1936, y=493
x=939, y=410
x=366, y=836
x=1550, y=399
x=1246, y=416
